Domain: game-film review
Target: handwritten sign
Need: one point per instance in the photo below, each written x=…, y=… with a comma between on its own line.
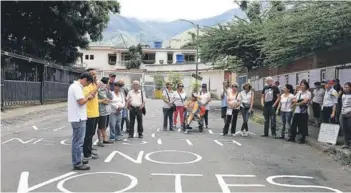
x=328, y=133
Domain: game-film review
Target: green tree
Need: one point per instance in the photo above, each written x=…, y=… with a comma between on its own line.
x=159, y=80
x=136, y=56
x=53, y=29
x=175, y=78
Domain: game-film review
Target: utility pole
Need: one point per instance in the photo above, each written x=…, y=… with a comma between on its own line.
x=197, y=27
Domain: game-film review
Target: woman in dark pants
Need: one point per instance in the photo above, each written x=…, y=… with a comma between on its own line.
x=233, y=101
x=345, y=117
x=247, y=101
x=300, y=119
x=168, y=106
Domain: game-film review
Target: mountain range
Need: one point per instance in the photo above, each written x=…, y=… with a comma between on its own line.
x=123, y=31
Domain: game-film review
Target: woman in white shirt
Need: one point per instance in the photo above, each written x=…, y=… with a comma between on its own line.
x=117, y=105
x=247, y=101
x=285, y=107
x=179, y=99
x=205, y=99
x=233, y=101
x=317, y=101
x=345, y=118
x=300, y=119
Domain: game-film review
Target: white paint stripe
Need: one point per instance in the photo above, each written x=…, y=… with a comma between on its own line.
x=219, y=143
x=96, y=142
x=35, y=127
x=59, y=128
x=251, y=133
x=158, y=130
x=179, y=130
x=246, y=185
x=153, y=135
x=239, y=144
x=37, y=141
x=210, y=131
x=135, y=135
x=189, y=142
x=159, y=141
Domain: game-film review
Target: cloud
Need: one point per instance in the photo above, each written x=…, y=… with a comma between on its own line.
x=168, y=10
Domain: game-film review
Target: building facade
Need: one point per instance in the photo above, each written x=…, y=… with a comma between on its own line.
x=107, y=59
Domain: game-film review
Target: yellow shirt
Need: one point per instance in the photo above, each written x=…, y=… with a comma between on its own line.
x=93, y=104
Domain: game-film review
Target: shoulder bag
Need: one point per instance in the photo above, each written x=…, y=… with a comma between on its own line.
x=143, y=110
x=173, y=107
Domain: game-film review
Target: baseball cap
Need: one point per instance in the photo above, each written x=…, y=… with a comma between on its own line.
x=112, y=75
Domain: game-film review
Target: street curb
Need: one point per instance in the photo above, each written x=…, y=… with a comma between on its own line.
x=338, y=154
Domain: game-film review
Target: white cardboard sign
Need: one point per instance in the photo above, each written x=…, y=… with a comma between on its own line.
x=328, y=133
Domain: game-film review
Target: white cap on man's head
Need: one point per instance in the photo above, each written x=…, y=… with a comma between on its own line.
x=269, y=78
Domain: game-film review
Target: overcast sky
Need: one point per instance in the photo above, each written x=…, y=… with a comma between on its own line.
x=168, y=10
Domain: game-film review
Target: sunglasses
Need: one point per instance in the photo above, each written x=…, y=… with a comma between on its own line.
x=234, y=86
x=180, y=86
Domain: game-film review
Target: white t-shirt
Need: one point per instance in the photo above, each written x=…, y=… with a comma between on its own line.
x=76, y=112
x=170, y=95
x=301, y=96
x=204, y=98
x=245, y=97
x=346, y=104
x=318, y=95
x=179, y=98
x=118, y=101
x=286, y=102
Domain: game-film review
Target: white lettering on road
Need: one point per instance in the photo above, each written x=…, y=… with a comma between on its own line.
x=239, y=144
x=210, y=131
x=159, y=141
x=38, y=140
x=23, y=182
x=225, y=187
x=59, y=128
x=188, y=142
x=137, y=161
x=197, y=159
x=133, y=183
x=219, y=143
x=158, y=129
x=178, y=180
x=96, y=142
x=35, y=127
x=272, y=178
x=153, y=135
x=63, y=142
x=20, y=140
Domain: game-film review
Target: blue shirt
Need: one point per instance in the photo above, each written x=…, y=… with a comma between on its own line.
x=224, y=100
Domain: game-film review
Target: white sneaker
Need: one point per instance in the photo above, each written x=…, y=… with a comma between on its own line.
x=243, y=133
x=246, y=133
x=186, y=131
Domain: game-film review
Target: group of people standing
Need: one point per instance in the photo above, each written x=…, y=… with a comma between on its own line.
x=331, y=104
x=177, y=103
x=96, y=104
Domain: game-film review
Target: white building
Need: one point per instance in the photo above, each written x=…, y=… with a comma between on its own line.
x=107, y=59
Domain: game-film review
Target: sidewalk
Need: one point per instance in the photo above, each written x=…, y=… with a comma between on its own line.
x=335, y=151
x=21, y=111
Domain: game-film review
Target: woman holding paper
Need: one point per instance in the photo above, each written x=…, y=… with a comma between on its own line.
x=233, y=101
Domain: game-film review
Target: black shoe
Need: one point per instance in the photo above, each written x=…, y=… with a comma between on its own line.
x=264, y=135
x=92, y=156
x=302, y=142
x=141, y=136
x=291, y=140
x=281, y=137
x=84, y=161
x=93, y=148
x=130, y=136
x=171, y=129
x=346, y=146
x=165, y=129
x=81, y=167
x=274, y=136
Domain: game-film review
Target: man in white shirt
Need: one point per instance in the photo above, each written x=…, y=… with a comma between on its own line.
x=317, y=101
x=77, y=116
x=329, y=103
x=136, y=105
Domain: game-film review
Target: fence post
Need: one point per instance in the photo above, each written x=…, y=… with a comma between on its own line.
x=42, y=85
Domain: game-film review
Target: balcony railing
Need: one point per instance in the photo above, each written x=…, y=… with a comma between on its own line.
x=149, y=61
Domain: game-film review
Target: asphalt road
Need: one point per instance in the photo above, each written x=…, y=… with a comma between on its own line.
x=38, y=158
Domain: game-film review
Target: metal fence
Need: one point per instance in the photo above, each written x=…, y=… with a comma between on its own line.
x=27, y=80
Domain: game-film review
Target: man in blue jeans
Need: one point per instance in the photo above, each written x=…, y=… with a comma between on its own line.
x=77, y=116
